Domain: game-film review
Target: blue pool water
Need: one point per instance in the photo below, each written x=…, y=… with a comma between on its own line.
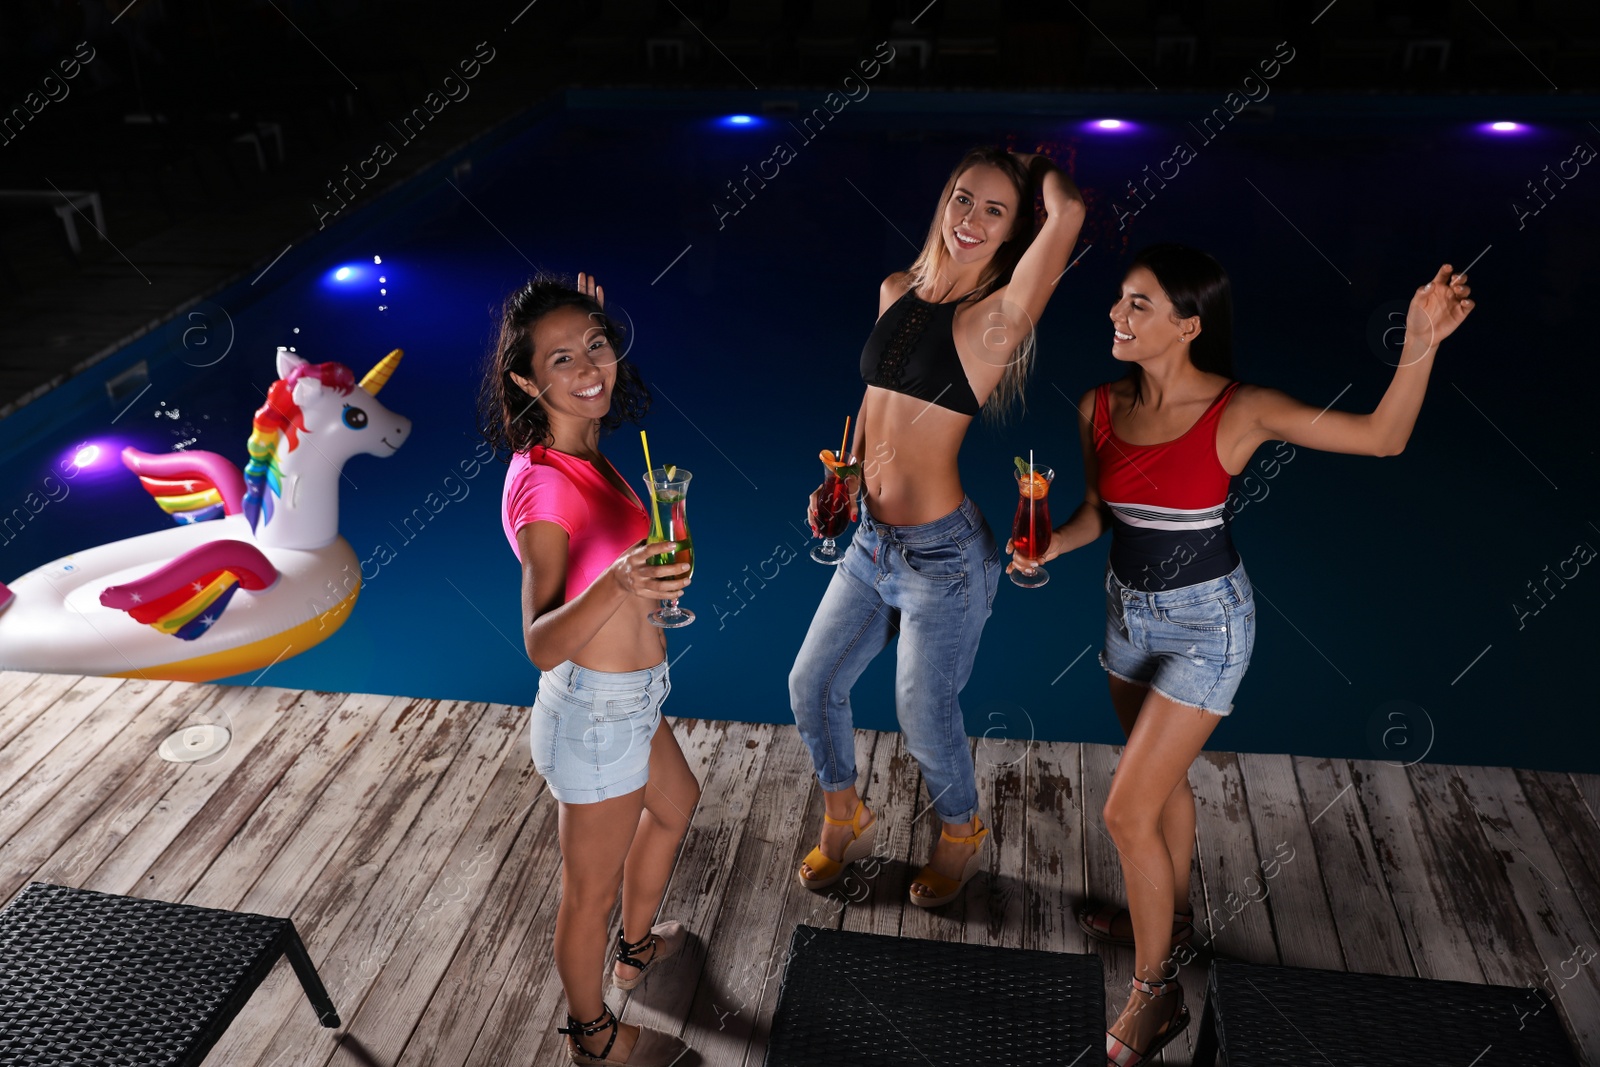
x=1397, y=617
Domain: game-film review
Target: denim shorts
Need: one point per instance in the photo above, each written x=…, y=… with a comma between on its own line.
x=1190, y=644
x=591, y=730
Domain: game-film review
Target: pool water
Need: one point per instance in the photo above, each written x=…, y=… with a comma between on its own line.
x=1432, y=604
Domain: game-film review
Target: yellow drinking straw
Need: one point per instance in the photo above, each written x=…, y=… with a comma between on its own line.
x=845, y=439
x=655, y=506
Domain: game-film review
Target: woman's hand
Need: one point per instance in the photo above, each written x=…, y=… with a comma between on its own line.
x=1028, y=566
x=852, y=484
x=639, y=577
x=1438, y=307
x=591, y=288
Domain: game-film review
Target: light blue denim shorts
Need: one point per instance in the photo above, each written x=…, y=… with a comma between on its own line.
x=591, y=730
x=1190, y=644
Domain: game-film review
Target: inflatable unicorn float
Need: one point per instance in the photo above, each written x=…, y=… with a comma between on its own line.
x=168, y=604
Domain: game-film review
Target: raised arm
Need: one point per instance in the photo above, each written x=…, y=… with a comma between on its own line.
x=1041, y=266
x=555, y=630
x=1437, y=308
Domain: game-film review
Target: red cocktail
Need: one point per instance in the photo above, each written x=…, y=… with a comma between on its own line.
x=833, y=507
x=1031, y=529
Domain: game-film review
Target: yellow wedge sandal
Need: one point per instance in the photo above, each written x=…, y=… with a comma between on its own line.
x=825, y=871
x=946, y=889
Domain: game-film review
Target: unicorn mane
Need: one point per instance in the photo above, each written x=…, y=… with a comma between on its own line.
x=278, y=416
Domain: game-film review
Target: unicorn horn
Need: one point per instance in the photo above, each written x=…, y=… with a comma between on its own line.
x=379, y=374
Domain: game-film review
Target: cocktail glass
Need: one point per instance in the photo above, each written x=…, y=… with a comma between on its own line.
x=833, y=507
x=669, y=487
x=1031, y=529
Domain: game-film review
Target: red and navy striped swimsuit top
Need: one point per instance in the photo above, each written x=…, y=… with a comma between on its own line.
x=1168, y=501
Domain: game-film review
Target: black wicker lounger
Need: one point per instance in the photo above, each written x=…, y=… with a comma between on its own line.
x=866, y=999
x=1258, y=1015
x=94, y=978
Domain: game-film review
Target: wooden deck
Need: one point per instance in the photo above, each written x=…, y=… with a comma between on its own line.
x=414, y=846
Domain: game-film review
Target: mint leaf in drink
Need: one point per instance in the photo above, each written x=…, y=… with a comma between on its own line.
x=1022, y=467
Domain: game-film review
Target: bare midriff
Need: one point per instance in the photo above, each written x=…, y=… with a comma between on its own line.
x=908, y=455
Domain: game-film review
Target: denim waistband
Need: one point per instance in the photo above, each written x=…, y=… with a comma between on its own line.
x=574, y=678
x=1234, y=582
x=964, y=518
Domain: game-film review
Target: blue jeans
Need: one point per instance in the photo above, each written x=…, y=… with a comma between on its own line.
x=932, y=584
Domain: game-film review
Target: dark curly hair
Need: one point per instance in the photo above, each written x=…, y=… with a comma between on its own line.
x=509, y=419
x=1197, y=285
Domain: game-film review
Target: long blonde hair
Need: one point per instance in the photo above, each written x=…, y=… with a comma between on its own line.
x=930, y=263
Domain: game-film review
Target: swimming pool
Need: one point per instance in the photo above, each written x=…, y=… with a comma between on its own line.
x=1433, y=603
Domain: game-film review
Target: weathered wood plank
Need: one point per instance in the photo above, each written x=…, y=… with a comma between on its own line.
x=95, y=730
x=1518, y=854
x=343, y=882
x=1429, y=917
x=416, y=962
x=370, y=939
x=38, y=693
x=1588, y=786
x=1287, y=876
x=1053, y=861
x=1369, y=932
x=523, y=894
x=53, y=724
x=102, y=836
x=12, y=685
x=1576, y=840
x=222, y=814
x=1474, y=872
x=76, y=805
x=1230, y=859
x=703, y=879
x=301, y=795
x=995, y=897
x=289, y=874
x=888, y=782
x=748, y=948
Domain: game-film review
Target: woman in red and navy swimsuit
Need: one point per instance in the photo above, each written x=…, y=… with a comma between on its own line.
x=1159, y=447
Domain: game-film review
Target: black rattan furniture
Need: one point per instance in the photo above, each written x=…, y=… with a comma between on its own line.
x=97, y=979
x=865, y=999
x=1258, y=1016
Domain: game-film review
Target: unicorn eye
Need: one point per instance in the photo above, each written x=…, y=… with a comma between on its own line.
x=354, y=417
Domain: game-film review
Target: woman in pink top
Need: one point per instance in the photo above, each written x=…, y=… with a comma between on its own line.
x=555, y=380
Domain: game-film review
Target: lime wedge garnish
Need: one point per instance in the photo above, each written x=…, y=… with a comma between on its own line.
x=671, y=470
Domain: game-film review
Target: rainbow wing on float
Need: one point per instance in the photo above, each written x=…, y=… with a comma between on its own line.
x=187, y=596
x=189, y=486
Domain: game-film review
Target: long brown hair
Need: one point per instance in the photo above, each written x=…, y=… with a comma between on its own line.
x=509, y=419
x=934, y=257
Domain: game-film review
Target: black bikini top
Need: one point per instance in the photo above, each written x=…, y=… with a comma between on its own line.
x=912, y=350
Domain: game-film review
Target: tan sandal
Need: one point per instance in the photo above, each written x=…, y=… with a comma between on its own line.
x=826, y=871
x=945, y=889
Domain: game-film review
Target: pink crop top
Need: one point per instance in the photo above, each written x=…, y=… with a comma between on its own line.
x=601, y=524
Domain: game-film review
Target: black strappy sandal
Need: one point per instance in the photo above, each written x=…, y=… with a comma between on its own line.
x=663, y=941
x=652, y=1048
